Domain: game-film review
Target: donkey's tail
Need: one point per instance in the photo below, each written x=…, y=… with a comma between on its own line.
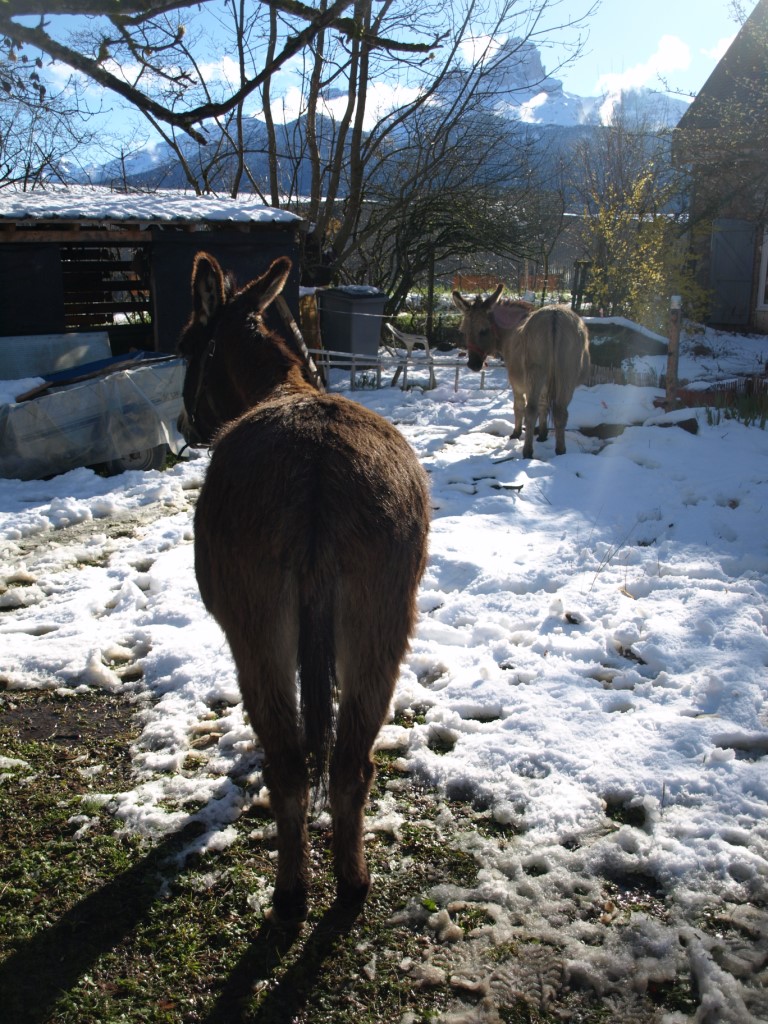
x=557, y=340
x=552, y=374
x=317, y=675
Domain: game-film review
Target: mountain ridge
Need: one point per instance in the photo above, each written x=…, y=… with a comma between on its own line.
x=522, y=92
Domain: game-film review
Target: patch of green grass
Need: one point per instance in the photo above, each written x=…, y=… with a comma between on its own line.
x=410, y=717
x=109, y=927
x=441, y=743
x=622, y=811
x=523, y=1013
x=677, y=996
x=470, y=917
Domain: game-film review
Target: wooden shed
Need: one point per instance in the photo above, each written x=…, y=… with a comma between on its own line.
x=76, y=259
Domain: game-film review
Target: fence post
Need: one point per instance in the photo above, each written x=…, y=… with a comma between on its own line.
x=673, y=350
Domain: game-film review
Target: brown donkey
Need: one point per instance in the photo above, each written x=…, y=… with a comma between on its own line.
x=545, y=351
x=310, y=541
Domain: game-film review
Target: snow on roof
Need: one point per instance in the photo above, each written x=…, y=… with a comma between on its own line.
x=620, y=321
x=79, y=202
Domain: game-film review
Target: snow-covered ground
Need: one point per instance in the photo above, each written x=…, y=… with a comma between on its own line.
x=590, y=665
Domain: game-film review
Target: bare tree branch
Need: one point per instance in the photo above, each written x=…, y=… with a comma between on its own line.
x=185, y=120
x=108, y=8
x=135, y=10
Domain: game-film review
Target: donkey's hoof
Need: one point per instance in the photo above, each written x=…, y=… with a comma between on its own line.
x=352, y=895
x=289, y=907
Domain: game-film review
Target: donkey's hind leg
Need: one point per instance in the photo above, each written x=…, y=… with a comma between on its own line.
x=351, y=776
x=519, y=408
x=267, y=683
x=531, y=412
x=560, y=416
x=286, y=775
x=369, y=661
x=543, y=416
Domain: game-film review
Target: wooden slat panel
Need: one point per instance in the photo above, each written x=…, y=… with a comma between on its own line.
x=103, y=266
x=96, y=286
x=71, y=308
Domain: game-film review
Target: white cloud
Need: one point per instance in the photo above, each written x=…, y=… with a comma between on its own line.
x=223, y=70
x=672, y=54
x=382, y=98
x=479, y=49
x=718, y=50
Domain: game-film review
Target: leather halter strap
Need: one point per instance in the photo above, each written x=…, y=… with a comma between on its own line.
x=472, y=347
x=200, y=390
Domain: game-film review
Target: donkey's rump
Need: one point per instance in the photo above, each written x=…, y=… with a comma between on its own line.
x=310, y=484
x=555, y=360
x=313, y=508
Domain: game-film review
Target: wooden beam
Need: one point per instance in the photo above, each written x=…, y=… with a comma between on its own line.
x=106, y=235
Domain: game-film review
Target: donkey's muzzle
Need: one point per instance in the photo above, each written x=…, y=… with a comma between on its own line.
x=475, y=359
x=187, y=430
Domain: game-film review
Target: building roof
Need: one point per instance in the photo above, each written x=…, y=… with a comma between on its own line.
x=739, y=78
x=59, y=203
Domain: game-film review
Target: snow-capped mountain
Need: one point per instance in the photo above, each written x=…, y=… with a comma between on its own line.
x=526, y=92
x=518, y=88
x=550, y=106
x=154, y=164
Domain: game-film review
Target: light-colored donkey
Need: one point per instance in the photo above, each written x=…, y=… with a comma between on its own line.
x=545, y=351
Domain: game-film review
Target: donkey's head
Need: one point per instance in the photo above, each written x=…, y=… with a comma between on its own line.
x=477, y=327
x=233, y=360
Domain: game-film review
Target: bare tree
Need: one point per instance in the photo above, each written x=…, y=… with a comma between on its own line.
x=369, y=168
x=371, y=164
x=151, y=34
x=447, y=187
x=42, y=128
x=542, y=213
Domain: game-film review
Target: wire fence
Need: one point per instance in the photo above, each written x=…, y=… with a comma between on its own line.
x=392, y=367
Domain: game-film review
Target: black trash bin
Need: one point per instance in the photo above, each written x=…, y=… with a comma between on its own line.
x=351, y=318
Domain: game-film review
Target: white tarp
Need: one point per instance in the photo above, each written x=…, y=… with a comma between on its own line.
x=50, y=353
x=92, y=422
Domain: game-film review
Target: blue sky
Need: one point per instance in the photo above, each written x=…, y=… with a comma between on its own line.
x=627, y=45
x=632, y=43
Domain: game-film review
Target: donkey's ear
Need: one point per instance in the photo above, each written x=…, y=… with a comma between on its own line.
x=460, y=302
x=265, y=289
x=208, y=287
x=493, y=299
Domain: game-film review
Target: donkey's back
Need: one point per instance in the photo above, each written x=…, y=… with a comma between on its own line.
x=313, y=502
